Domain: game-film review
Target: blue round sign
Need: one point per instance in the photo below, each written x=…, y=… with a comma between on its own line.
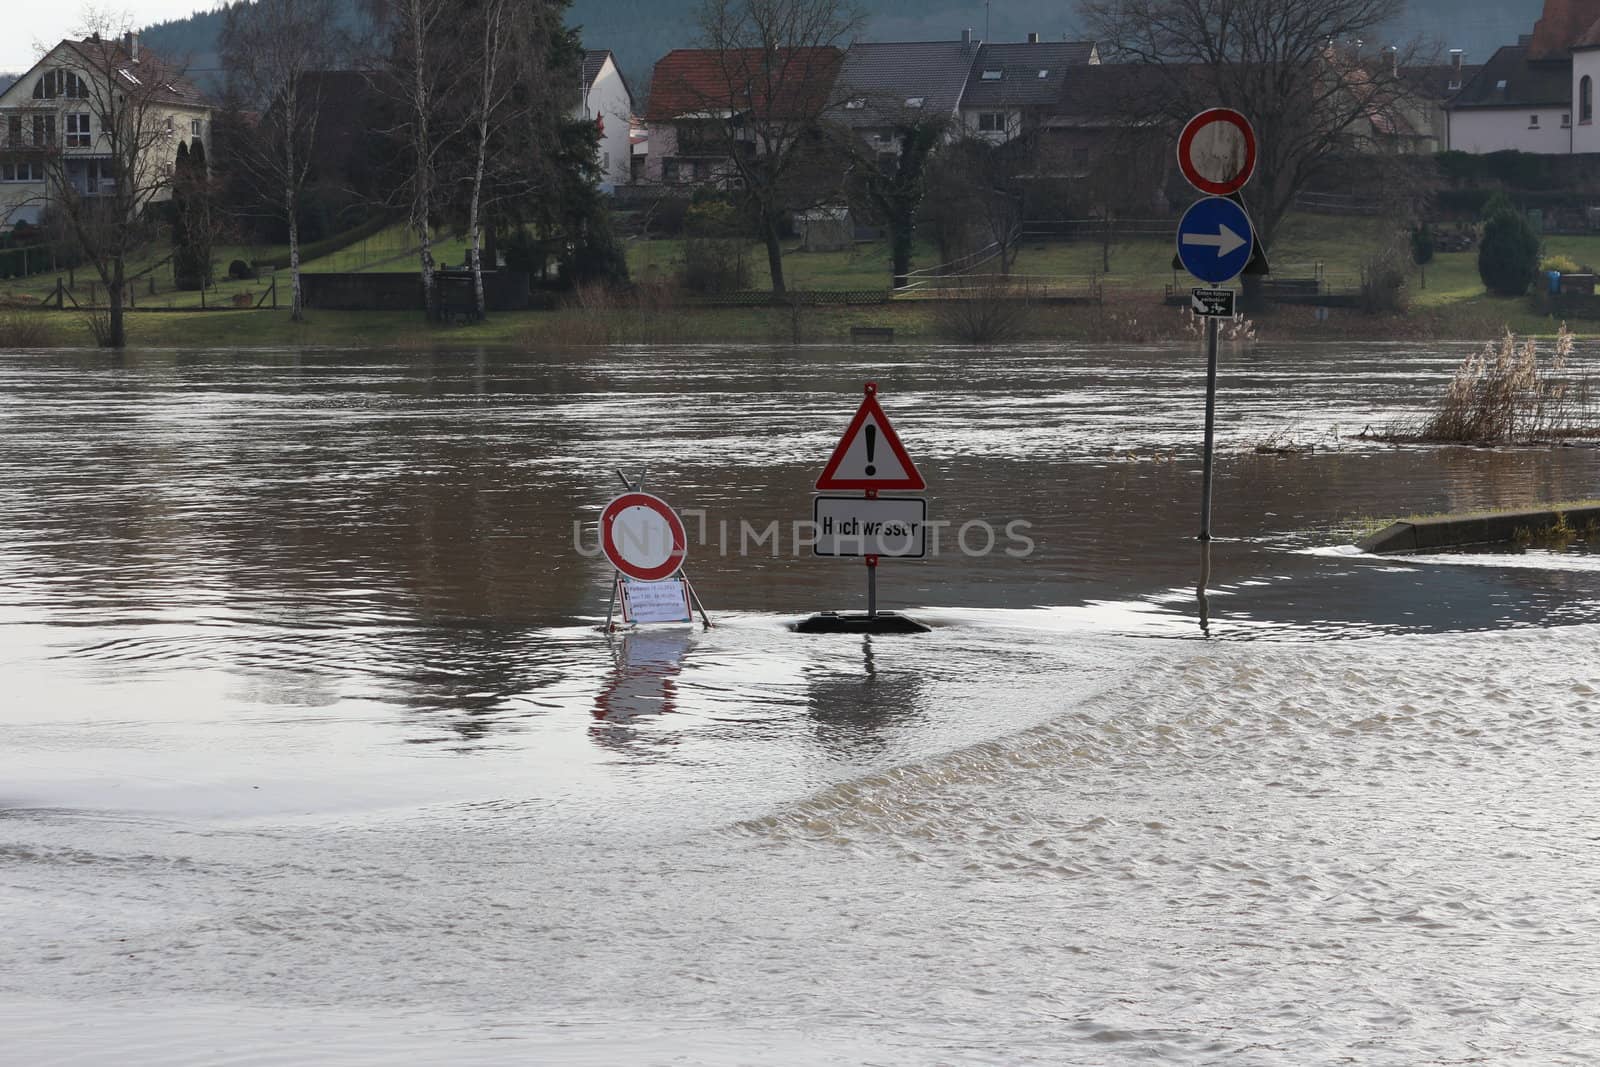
x=1215, y=239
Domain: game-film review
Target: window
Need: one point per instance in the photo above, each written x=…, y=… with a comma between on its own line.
x=605, y=162
x=1566, y=120
x=14, y=130
x=1533, y=122
x=855, y=103
x=21, y=172
x=1586, y=100
x=1044, y=74
x=196, y=128
x=991, y=75
x=991, y=122
x=44, y=131
x=1080, y=159
x=915, y=101
x=78, y=131
x=54, y=83
x=129, y=76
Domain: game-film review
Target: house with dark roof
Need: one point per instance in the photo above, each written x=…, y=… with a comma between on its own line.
x=51, y=141
x=1538, y=94
x=884, y=87
x=605, y=100
x=699, y=95
x=1011, y=87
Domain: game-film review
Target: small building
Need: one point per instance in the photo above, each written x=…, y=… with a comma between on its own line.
x=606, y=101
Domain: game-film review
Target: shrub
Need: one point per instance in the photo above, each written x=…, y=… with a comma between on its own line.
x=24, y=329
x=1564, y=264
x=1508, y=255
x=1383, y=283
x=983, y=311
x=239, y=270
x=1497, y=204
x=1422, y=245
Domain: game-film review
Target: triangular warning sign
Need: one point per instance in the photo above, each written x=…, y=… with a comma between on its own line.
x=870, y=455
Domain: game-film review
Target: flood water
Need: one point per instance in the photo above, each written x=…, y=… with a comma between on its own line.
x=313, y=752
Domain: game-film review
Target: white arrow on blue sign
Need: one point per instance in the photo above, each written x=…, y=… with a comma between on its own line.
x=1215, y=239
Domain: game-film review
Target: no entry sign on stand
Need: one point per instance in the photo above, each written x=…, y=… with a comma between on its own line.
x=643, y=537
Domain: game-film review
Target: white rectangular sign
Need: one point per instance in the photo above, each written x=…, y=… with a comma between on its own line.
x=857, y=526
x=647, y=602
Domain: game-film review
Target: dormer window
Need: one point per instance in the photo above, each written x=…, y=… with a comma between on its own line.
x=56, y=83
x=915, y=101
x=991, y=75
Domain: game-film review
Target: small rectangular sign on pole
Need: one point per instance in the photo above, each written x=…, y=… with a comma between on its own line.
x=871, y=526
x=1212, y=303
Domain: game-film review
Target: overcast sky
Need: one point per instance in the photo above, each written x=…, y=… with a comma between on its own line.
x=31, y=23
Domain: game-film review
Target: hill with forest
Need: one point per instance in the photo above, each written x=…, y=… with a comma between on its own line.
x=642, y=31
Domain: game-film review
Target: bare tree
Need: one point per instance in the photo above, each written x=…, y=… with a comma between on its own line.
x=891, y=178
x=104, y=130
x=420, y=72
x=1293, y=67
x=776, y=62
x=274, y=52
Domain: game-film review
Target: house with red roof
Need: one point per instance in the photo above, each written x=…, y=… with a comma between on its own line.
x=702, y=101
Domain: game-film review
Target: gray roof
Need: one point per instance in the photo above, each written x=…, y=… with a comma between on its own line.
x=592, y=62
x=878, y=79
x=1511, y=79
x=1021, y=83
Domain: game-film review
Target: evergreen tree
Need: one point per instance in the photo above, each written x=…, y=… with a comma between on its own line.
x=1508, y=254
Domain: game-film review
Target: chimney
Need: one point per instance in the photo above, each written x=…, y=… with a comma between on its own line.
x=1394, y=60
x=1033, y=38
x=131, y=41
x=1456, y=56
x=966, y=36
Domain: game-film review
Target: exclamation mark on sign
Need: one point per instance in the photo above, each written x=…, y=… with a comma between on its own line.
x=872, y=444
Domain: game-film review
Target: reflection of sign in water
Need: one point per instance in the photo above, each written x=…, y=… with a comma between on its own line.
x=883, y=526
x=647, y=602
x=645, y=680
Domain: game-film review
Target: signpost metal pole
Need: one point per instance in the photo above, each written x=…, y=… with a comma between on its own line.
x=1211, y=424
x=872, y=587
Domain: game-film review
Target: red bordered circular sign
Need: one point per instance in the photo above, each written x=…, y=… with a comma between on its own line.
x=1217, y=151
x=643, y=537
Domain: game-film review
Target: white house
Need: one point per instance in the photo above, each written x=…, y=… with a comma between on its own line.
x=52, y=118
x=1538, y=94
x=607, y=102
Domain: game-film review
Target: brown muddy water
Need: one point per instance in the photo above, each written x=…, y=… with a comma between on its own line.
x=313, y=753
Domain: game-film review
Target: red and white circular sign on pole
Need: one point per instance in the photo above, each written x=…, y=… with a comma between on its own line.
x=643, y=537
x=1217, y=151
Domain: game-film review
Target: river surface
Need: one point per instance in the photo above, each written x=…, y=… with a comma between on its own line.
x=313, y=752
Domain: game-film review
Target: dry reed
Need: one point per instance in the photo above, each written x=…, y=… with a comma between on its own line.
x=1503, y=394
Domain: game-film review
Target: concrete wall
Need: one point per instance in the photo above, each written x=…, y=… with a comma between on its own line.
x=504, y=290
x=1483, y=130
